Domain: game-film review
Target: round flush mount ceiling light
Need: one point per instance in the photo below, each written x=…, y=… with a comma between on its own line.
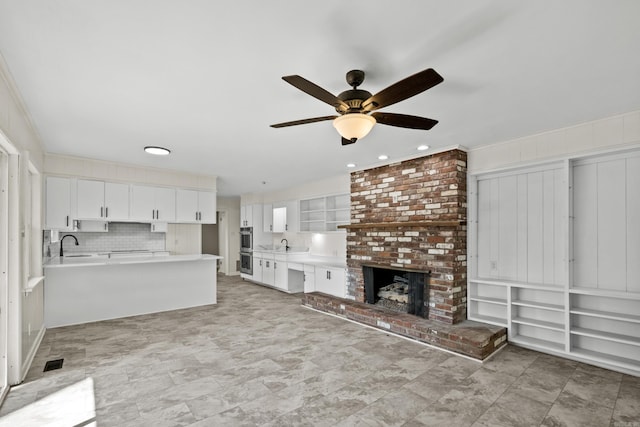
x=423, y=147
x=158, y=151
x=383, y=157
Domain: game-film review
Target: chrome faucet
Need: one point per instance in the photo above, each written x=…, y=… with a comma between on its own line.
x=286, y=245
x=61, y=240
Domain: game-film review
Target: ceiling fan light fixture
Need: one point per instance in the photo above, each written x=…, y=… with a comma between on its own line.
x=158, y=151
x=354, y=125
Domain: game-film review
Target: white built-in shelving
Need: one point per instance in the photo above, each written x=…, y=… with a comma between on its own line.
x=324, y=213
x=553, y=257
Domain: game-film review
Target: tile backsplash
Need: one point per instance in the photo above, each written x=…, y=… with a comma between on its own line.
x=122, y=236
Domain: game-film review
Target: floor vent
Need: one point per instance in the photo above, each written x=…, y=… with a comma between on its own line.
x=53, y=364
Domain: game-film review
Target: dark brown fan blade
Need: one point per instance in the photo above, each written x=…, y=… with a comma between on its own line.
x=403, y=89
x=303, y=122
x=314, y=90
x=404, y=121
x=346, y=141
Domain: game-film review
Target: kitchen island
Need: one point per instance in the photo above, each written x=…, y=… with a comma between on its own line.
x=88, y=289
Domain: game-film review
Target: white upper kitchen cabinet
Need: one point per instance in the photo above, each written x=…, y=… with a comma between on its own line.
x=246, y=216
x=193, y=206
x=267, y=218
x=285, y=217
x=58, y=215
x=153, y=203
x=102, y=200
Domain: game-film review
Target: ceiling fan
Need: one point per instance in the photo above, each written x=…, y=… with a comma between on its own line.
x=356, y=107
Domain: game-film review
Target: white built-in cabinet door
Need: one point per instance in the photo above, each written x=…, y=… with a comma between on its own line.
x=153, y=203
x=268, y=272
x=116, y=201
x=279, y=219
x=246, y=216
x=207, y=207
x=195, y=206
x=58, y=204
x=330, y=281
x=257, y=268
x=281, y=274
x=267, y=218
x=142, y=203
x=165, y=203
x=102, y=200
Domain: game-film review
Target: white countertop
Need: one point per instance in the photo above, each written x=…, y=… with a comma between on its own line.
x=102, y=260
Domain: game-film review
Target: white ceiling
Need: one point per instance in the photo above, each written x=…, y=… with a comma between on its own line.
x=103, y=78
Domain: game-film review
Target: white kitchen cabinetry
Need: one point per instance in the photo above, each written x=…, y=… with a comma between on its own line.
x=309, y=278
x=280, y=272
x=194, y=206
x=251, y=215
x=268, y=270
x=246, y=216
x=267, y=218
x=98, y=200
x=58, y=215
x=331, y=281
x=257, y=267
x=285, y=217
x=153, y=203
x=324, y=213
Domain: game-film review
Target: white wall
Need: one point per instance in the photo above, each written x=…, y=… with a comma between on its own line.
x=229, y=234
x=598, y=136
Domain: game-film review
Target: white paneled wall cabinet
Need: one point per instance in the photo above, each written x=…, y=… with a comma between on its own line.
x=102, y=200
x=193, y=206
x=153, y=203
x=554, y=256
x=71, y=199
x=58, y=206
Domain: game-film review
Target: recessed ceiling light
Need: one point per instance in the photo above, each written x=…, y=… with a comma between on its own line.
x=423, y=147
x=351, y=165
x=158, y=151
x=383, y=157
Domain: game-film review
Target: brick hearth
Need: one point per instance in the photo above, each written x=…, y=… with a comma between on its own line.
x=473, y=339
x=412, y=215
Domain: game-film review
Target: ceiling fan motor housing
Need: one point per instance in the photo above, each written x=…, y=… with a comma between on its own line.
x=354, y=99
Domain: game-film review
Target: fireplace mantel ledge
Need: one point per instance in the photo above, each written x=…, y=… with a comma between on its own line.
x=404, y=224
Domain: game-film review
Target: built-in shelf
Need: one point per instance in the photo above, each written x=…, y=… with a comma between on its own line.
x=491, y=300
x=608, y=336
x=425, y=224
x=538, y=323
x=609, y=359
x=516, y=284
x=606, y=315
x=540, y=305
x=498, y=321
x=605, y=293
x=537, y=343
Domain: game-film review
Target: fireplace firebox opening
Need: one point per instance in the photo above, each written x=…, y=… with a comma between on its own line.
x=404, y=291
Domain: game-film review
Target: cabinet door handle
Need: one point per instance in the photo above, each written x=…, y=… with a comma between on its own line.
x=106, y=212
x=101, y=211
x=105, y=226
x=260, y=263
x=67, y=220
x=275, y=265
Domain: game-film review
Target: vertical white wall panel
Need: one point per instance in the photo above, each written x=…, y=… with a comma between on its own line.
x=585, y=212
x=523, y=237
x=535, y=200
x=548, y=223
x=611, y=227
x=560, y=219
x=633, y=224
x=484, y=218
x=507, y=236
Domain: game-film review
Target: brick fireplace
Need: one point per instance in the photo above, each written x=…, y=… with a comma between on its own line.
x=411, y=216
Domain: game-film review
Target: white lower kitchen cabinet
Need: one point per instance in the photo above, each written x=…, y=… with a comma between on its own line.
x=331, y=281
x=309, y=278
x=277, y=271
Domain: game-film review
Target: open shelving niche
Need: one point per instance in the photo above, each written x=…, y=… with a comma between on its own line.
x=324, y=213
x=536, y=320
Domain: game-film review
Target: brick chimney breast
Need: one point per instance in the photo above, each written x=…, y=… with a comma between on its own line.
x=412, y=215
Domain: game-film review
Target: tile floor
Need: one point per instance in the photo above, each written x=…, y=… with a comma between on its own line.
x=258, y=358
